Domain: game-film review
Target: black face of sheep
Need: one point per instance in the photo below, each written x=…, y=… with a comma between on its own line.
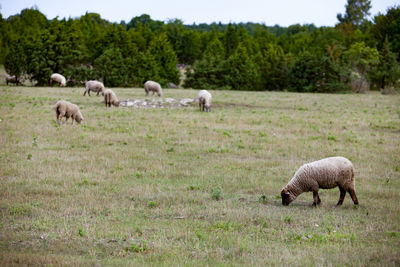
x=286, y=197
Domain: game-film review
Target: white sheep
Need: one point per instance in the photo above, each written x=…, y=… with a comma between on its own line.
x=153, y=87
x=110, y=98
x=94, y=86
x=67, y=109
x=205, y=100
x=58, y=78
x=325, y=174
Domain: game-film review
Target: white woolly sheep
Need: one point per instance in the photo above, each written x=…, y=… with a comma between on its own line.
x=153, y=87
x=58, y=78
x=11, y=79
x=205, y=100
x=325, y=174
x=66, y=109
x=94, y=86
x=110, y=98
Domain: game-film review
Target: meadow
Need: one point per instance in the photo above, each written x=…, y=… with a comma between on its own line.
x=177, y=187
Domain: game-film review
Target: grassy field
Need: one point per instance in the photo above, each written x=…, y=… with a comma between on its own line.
x=183, y=187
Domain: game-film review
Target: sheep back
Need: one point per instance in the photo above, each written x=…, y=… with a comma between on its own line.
x=94, y=86
x=151, y=86
x=56, y=77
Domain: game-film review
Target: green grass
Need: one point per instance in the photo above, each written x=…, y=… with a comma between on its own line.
x=184, y=187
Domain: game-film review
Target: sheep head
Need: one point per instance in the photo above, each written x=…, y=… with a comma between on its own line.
x=287, y=197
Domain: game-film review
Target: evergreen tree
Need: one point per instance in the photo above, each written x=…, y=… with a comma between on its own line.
x=356, y=12
x=165, y=58
x=313, y=73
x=209, y=72
x=15, y=60
x=242, y=72
x=110, y=67
x=387, y=71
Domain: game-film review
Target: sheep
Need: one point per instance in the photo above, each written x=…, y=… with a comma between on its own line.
x=154, y=87
x=66, y=109
x=326, y=174
x=58, y=78
x=205, y=100
x=110, y=98
x=11, y=79
x=94, y=86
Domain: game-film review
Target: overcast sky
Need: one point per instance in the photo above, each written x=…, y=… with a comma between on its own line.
x=270, y=12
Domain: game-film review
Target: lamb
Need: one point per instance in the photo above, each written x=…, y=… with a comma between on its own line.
x=205, y=100
x=11, y=79
x=326, y=174
x=94, y=86
x=110, y=98
x=58, y=78
x=154, y=87
x=66, y=109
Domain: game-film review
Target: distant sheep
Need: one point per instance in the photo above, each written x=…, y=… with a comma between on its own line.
x=110, y=98
x=66, y=109
x=153, y=87
x=58, y=78
x=205, y=100
x=94, y=86
x=11, y=79
x=325, y=174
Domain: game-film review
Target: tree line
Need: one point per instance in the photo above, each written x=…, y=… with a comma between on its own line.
x=245, y=56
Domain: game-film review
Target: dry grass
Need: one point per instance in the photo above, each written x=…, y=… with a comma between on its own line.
x=140, y=185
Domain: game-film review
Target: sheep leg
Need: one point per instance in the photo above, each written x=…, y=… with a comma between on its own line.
x=316, y=197
x=353, y=196
x=342, y=195
x=84, y=93
x=98, y=93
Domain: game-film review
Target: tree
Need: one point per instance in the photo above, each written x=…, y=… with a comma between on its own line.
x=387, y=71
x=314, y=73
x=165, y=58
x=110, y=67
x=208, y=72
x=388, y=26
x=15, y=60
x=356, y=12
x=242, y=71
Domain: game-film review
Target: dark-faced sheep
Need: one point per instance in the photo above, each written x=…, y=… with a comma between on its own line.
x=322, y=174
x=12, y=79
x=205, y=100
x=94, y=86
x=110, y=98
x=58, y=78
x=66, y=109
x=154, y=87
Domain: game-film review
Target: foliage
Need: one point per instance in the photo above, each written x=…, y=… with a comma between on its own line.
x=313, y=73
x=243, y=56
x=387, y=71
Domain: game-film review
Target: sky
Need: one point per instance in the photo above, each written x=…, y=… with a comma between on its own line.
x=269, y=12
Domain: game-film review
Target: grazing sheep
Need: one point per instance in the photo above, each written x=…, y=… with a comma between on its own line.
x=110, y=98
x=154, y=87
x=58, y=78
x=326, y=174
x=205, y=100
x=11, y=79
x=94, y=86
x=67, y=109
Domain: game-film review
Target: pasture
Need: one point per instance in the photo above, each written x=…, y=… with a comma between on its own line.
x=182, y=187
